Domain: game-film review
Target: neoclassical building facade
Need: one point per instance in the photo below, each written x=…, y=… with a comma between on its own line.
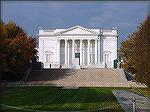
x=77, y=47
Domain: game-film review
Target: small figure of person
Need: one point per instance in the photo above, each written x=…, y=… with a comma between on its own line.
x=50, y=65
x=60, y=67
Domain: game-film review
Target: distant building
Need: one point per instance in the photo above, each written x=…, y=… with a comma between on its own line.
x=77, y=47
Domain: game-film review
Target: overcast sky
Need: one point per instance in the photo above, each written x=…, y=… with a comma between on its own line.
x=126, y=16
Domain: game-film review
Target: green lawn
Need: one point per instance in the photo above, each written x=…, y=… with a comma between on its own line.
x=54, y=98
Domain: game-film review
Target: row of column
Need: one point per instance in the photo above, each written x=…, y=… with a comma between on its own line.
x=81, y=51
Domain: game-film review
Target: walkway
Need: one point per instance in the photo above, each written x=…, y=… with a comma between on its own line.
x=125, y=98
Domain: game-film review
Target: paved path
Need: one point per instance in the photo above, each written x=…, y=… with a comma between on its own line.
x=125, y=98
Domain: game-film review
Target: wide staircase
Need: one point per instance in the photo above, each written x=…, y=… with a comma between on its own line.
x=80, y=78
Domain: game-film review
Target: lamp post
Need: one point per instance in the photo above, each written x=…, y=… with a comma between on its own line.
x=121, y=63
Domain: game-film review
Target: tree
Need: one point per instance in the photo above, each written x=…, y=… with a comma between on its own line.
x=3, y=47
x=136, y=52
x=17, y=49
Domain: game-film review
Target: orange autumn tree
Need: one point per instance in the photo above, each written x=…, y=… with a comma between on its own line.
x=136, y=52
x=17, y=49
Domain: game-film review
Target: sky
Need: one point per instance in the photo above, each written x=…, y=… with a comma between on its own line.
x=126, y=16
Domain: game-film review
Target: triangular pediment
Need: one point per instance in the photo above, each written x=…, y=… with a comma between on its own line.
x=77, y=30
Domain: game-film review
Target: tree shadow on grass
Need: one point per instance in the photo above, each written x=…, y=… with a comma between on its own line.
x=53, y=98
x=61, y=96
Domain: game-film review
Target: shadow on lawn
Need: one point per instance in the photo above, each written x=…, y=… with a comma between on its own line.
x=52, y=95
x=83, y=96
x=53, y=98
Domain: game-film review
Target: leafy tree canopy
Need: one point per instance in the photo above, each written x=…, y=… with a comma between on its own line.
x=16, y=51
x=136, y=52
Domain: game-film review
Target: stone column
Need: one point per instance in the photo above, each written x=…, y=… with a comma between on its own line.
x=66, y=52
x=88, y=52
x=101, y=50
x=43, y=52
x=68, y=45
x=98, y=51
x=81, y=52
x=95, y=51
x=58, y=50
x=73, y=51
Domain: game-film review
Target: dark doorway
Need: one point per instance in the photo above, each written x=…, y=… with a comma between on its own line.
x=77, y=55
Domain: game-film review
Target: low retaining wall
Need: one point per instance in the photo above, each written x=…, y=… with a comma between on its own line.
x=40, y=83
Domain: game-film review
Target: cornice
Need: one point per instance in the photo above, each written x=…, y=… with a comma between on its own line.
x=69, y=29
x=47, y=35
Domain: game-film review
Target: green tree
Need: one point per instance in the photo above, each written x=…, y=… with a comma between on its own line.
x=136, y=52
x=17, y=49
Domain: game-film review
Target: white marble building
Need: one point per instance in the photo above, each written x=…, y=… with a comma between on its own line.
x=78, y=47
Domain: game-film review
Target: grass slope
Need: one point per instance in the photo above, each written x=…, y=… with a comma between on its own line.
x=54, y=98
x=142, y=91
